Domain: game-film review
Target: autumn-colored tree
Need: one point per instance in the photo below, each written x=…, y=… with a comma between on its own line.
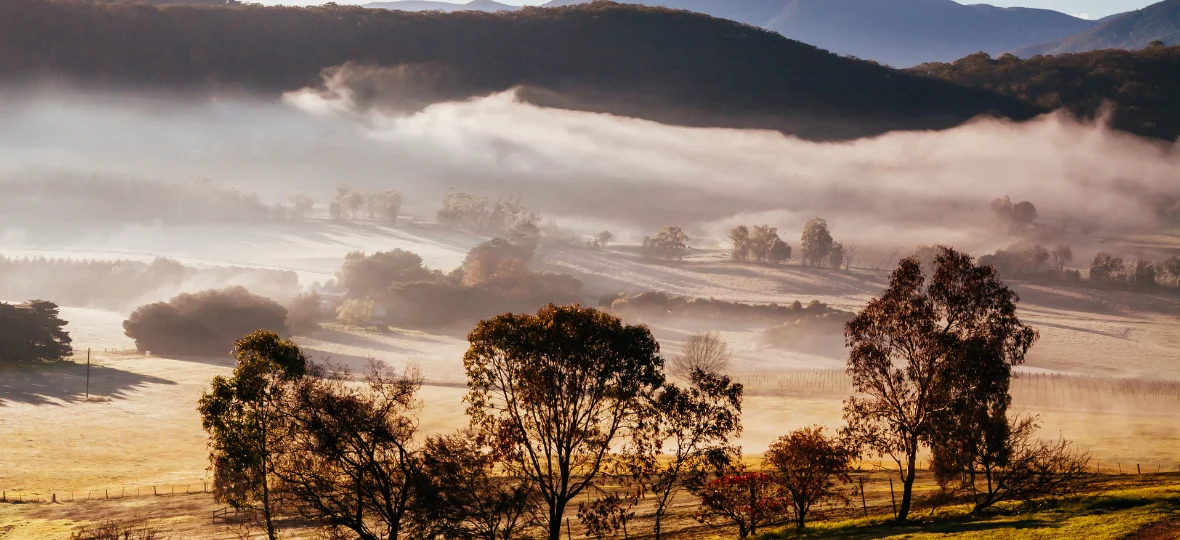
x=809, y=466
x=913, y=348
x=694, y=426
x=244, y=417
x=747, y=500
x=557, y=391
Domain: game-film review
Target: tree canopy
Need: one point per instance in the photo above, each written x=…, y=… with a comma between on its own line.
x=31, y=332
x=558, y=390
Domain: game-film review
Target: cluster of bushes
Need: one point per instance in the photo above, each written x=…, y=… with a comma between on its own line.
x=32, y=332
x=203, y=324
x=817, y=333
x=669, y=243
x=664, y=304
x=122, y=285
x=394, y=287
x=476, y=213
x=105, y=198
x=381, y=206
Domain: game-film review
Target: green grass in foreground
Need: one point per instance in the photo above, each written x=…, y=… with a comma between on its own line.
x=1114, y=513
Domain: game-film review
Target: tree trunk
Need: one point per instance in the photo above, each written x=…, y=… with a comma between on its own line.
x=907, y=489
x=555, y=515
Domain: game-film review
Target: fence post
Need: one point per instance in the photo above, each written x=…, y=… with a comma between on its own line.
x=1137, y=469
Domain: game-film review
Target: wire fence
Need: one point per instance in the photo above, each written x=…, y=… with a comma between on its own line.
x=1045, y=391
x=53, y=495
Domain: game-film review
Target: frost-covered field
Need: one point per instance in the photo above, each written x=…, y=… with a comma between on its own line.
x=140, y=427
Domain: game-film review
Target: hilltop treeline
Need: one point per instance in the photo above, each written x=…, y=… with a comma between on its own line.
x=1140, y=86
x=669, y=66
x=119, y=285
x=105, y=198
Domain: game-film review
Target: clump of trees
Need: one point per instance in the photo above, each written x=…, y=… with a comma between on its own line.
x=761, y=245
x=204, y=323
x=348, y=203
x=476, y=213
x=820, y=332
x=32, y=332
x=1013, y=218
x=660, y=304
x=1039, y=263
x=669, y=243
x=395, y=287
x=366, y=275
x=819, y=249
x=931, y=361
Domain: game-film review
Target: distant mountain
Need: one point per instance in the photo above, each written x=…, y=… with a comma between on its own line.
x=1133, y=30
x=895, y=32
x=429, y=5
x=673, y=67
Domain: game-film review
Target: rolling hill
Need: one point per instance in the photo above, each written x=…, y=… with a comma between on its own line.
x=1132, y=30
x=1137, y=88
x=668, y=66
x=895, y=32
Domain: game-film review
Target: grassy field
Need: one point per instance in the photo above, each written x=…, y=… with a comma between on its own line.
x=1146, y=506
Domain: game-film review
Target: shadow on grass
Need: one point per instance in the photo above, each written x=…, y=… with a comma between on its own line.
x=57, y=383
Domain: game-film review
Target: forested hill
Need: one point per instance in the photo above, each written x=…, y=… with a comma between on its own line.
x=1141, y=87
x=669, y=66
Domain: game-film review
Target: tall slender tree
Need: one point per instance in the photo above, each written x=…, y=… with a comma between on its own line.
x=243, y=415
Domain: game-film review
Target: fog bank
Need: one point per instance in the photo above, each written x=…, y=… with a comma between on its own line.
x=591, y=171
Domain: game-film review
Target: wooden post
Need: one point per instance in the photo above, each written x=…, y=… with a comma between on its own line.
x=87, y=374
x=863, y=504
x=893, y=498
x=1137, y=469
x=569, y=535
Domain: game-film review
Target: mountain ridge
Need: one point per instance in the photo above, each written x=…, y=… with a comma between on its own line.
x=1130, y=31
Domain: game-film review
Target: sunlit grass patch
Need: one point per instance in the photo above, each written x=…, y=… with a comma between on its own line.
x=1111, y=514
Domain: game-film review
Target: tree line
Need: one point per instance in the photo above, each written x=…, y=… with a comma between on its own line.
x=1041, y=263
x=571, y=407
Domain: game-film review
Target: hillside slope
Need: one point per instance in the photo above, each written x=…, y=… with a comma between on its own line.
x=1133, y=30
x=431, y=5
x=1140, y=87
x=895, y=32
x=668, y=66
